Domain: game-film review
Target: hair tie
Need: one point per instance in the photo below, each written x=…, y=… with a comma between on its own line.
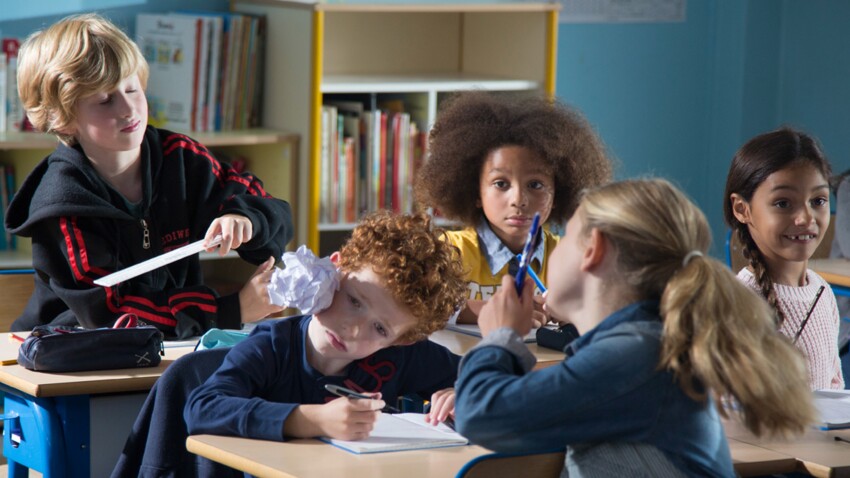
x=690, y=256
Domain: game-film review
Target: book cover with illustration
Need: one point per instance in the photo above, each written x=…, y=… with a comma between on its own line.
x=170, y=44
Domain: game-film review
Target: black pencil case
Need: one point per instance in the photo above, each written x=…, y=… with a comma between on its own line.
x=557, y=339
x=56, y=348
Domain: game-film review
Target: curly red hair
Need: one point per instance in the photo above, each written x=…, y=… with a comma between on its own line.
x=421, y=271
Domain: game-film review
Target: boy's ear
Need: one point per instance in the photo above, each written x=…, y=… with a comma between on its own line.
x=335, y=258
x=595, y=249
x=740, y=208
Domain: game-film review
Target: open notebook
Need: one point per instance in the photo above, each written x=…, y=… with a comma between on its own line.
x=834, y=408
x=402, y=431
x=472, y=329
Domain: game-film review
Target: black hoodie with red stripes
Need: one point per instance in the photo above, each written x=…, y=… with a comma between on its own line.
x=82, y=229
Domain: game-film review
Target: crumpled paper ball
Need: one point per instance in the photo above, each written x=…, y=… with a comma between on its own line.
x=307, y=283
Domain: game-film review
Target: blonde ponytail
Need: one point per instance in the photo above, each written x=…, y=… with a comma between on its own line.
x=719, y=336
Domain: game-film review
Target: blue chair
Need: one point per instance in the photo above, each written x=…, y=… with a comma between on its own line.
x=503, y=465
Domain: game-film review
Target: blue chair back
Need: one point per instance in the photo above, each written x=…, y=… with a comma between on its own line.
x=499, y=465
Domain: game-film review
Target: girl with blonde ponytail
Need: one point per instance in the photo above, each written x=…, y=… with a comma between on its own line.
x=664, y=329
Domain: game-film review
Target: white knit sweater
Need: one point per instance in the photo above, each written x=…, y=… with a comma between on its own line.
x=819, y=340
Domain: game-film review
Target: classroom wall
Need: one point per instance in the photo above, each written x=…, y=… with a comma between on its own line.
x=677, y=99
x=670, y=99
x=814, y=87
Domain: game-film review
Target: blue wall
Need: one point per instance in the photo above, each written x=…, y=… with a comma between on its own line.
x=677, y=99
x=669, y=99
x=653, y=90
x=814, y=88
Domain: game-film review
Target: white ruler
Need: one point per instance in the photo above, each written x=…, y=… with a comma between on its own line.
x=156, y=262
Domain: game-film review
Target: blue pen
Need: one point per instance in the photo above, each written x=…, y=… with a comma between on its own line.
x=530, y=246
x=534, y=277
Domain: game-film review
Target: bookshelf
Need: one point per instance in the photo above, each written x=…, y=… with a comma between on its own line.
x=319, y=52
x=271, y=155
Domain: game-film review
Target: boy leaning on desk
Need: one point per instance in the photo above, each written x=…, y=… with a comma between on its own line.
x=398, y=283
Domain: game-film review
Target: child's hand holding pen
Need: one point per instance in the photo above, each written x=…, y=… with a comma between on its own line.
x=340, y=391
x=348, y=417
x=506, y=309
x=512, y=306
x=541, y=316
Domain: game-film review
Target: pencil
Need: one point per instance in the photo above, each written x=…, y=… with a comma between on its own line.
x=808, y=314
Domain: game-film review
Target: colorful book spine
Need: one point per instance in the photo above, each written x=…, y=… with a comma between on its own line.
x=14, y=110
x=3, y=91
x=169, y=44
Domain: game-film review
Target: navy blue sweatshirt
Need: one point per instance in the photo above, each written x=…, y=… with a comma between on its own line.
x=266, y=376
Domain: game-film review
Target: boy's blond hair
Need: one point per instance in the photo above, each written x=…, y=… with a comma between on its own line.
x=75, y=57
x=421, y=271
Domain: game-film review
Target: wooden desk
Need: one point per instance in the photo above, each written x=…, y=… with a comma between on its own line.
x=816, y=452
x=315, y=459
x=71, y=424
x=461, y=343
x=834, y=271
x=40, y=384
x=751, y=460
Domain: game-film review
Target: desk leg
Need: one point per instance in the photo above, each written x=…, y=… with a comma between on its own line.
x=74, y=412
x=49, y=435
x=17, y=470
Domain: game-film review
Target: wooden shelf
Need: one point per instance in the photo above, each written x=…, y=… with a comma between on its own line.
x=247, y=137
x=378, y=7
x=18, y=259
x=10, y=140
x=421, y=83
x=348, y=226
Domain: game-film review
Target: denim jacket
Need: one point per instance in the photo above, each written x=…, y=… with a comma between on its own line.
x=609, y=389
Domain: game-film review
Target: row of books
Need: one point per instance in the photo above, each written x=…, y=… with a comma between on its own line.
x=206, y=69
x=368, y=161
x=7, y=191
x=12, y=117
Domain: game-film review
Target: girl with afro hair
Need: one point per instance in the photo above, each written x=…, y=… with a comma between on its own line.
x=494, y=161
